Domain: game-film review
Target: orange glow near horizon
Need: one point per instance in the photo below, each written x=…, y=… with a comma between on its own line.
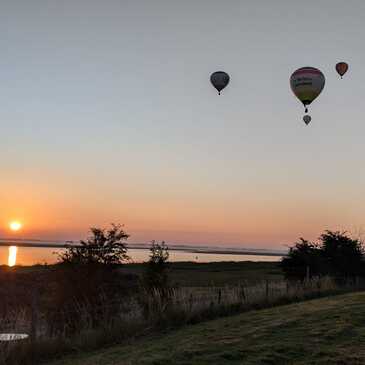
x=254, y=217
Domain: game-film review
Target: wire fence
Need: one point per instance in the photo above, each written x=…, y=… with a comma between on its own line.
x=87, y=326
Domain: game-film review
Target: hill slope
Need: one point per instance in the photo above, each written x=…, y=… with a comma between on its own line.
x=322, y=331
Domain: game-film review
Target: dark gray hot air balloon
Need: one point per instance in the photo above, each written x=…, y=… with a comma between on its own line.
x=219, y=80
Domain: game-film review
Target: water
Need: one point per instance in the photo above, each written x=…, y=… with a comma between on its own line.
x=143, y=255
x=39, y=255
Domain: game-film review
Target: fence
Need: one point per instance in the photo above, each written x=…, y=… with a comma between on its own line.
x=188, y=301
x=144, y=310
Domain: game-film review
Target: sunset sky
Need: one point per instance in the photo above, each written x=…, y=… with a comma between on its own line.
x=107, y=115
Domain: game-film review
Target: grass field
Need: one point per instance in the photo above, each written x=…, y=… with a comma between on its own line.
x=188, y=274
x=216, y=273
x=321, y=331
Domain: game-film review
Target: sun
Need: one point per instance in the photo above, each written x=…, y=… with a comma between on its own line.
x=15, y=226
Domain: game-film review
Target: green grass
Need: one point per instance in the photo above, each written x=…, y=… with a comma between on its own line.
x=321, y=331
x=216, y=273
x=196, y=274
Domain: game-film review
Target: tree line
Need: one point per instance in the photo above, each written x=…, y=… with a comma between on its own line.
x=335, y=254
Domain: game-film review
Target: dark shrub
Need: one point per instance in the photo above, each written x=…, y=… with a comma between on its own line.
x=304, y=258
x=87, y=285
x=157, y=269
x=343, y=256
x=106, y=247
x=336, y=255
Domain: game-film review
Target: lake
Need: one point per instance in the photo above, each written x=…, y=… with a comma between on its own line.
x=39, y=255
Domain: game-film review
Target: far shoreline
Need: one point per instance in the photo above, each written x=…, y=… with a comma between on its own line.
x=144, y=246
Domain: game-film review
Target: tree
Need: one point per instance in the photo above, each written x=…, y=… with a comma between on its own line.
x=302, y=257
x=106, y=247
x=88, y=277
x=344, y=256
x=156, y=275
x=336, y=254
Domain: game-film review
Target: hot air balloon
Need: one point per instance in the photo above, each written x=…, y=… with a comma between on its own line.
x=307, y=119
x=342, y=68
x=307, y=83
x=219, y=80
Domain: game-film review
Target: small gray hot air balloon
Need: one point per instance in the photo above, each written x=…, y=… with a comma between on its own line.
x=219, y=80
x=306, y=119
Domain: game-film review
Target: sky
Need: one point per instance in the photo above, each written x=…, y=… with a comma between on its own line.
x=107, y=115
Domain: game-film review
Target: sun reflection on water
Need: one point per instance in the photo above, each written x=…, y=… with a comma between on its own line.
x=12, y=255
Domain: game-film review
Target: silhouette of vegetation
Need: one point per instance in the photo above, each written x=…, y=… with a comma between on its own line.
x=89, y=300
x=322, y=331
x=185, y=306
x=65, y=326
x=157, y=269
x=336, y=254
x=343, y=256
x=106, y=247
x=303, y=259
x=155, y=291
x=88, y=280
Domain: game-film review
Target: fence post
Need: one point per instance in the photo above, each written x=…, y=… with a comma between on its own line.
x=34, y=315
x=190, y=302
x=267, y=290
x=219, y=296
x=243, y=293
x=307, y=274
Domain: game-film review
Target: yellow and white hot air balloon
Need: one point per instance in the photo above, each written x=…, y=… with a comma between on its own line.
x=307, y=83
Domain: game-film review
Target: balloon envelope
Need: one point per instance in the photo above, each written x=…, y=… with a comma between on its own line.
x=219, y=80
x=342, y=68
x=307, y=83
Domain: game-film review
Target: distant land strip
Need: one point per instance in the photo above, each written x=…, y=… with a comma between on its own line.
x=144, y=246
